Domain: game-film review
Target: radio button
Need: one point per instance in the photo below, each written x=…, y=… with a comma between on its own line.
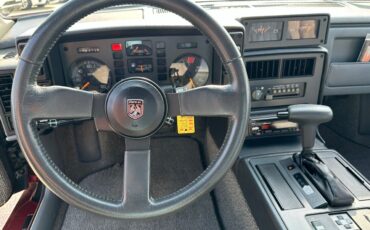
x=269, y=97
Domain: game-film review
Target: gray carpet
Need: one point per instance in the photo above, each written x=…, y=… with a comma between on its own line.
x=358, y=155
x=173, y=166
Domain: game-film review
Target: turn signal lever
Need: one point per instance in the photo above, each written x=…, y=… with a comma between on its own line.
x=309, y=117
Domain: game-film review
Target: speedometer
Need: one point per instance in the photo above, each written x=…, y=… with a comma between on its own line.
x=190, y=71
x=91, y=75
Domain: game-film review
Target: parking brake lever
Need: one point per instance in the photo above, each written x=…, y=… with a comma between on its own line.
x=309, y=117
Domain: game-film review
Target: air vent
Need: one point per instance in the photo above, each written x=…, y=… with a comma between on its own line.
x=10, y=55
x=258, y=70
x=160, y=11
x=299, y=67
x=5, y=91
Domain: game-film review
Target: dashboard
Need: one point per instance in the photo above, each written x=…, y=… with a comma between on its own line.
x=290, y=59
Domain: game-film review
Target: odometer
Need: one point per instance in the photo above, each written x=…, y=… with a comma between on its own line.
x=91, y=75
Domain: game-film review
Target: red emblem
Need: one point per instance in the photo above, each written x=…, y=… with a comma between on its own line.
x=135, y=108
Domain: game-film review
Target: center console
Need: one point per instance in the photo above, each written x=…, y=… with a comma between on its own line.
x=279, y=191
x=299, y=183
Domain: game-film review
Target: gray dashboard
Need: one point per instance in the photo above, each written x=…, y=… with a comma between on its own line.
x=331, y=55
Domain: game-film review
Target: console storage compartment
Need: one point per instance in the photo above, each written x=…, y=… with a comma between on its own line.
x=348, y=74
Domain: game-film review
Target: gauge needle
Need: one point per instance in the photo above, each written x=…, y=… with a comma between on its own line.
x=192, y=83
x=87, y=84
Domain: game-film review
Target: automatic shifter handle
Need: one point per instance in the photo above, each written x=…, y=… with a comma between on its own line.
x=308, y=117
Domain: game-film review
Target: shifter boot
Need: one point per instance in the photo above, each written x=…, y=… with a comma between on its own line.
x=325, y=181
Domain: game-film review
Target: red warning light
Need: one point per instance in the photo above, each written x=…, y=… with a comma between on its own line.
x=191, y=59
x=117, y=47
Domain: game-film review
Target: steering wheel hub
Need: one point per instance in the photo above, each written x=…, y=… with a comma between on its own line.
x=136, y=107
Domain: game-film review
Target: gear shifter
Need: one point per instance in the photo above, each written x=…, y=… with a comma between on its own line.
x=309, y=117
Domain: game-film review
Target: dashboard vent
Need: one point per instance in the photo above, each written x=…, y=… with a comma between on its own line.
x=5, y=91
x=44, y=78
x=20, y=48
x=299, y=67
x=263, y=69
x=160, y=11
x=10, y=55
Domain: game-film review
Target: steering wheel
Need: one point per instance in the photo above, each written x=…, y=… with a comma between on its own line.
x=134, y=108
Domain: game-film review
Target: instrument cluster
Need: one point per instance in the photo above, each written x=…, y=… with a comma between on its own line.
x=96, y=65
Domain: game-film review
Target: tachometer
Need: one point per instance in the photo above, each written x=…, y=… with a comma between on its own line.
x=91, y=75
x=189, y=71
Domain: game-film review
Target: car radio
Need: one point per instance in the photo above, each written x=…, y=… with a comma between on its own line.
x=268, y=127
x=273, y=92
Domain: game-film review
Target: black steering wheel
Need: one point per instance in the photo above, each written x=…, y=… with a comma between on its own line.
x=135, y=108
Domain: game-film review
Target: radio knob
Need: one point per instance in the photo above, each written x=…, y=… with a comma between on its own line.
x=257, y=94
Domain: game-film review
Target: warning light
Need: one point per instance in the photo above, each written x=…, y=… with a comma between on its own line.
x=191, y=60
x=117, y=47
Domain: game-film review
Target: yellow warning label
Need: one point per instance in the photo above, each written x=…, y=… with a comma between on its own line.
x=185, y=124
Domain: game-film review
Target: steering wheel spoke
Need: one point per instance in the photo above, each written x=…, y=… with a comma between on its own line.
x=211, y=100
x=136, y=181
x=59, y=102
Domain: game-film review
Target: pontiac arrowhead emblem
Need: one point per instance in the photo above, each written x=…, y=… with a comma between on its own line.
x=135, y=108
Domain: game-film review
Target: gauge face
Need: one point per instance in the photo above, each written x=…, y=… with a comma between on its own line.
x=266, y=31
x=189, y=71
x=91, y=75
x=304, y=29
x=139, y=48
x=142, y=65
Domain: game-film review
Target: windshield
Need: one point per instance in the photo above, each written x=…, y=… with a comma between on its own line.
x=16, y=8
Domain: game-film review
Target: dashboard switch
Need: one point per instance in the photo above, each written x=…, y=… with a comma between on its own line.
x=160, y=45
x=257, y=95
x=117, y=55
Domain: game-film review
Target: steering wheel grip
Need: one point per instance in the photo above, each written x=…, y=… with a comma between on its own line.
x=30, y=102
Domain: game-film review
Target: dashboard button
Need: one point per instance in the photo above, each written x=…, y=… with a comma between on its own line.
x=187, y=45
x=162, y=69
x=161, y=52
x=269, y=97
x=119, y=71
x=117, y=55
x=257, y=95
x=161, y=61
x=160, y=45
x=162, y=77
x=118, y=64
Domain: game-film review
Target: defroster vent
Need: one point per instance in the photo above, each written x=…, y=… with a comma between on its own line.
x=265, y=69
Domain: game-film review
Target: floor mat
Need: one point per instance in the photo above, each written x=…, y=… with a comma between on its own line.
x=358, y=155
x=173, y=165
